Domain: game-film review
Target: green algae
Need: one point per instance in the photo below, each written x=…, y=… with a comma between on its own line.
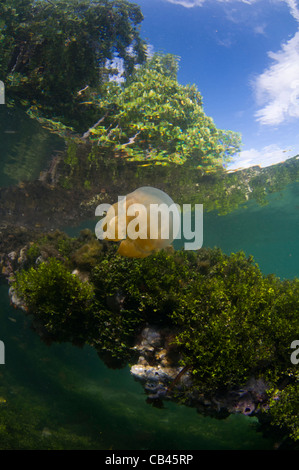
x=229, y=321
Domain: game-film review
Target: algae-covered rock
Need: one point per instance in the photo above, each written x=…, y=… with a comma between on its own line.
x=88, y=255
x=203, y=328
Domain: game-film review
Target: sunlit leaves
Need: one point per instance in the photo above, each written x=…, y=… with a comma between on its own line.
x=162, y=120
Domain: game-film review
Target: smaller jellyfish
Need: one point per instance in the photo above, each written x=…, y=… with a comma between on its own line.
x=144, y=221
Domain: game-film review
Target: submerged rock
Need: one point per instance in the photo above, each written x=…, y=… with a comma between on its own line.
x=155, y=369
x=15, y=301
x=159, y=372
x=156, y=361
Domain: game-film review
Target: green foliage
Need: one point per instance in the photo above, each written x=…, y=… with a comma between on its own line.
x=52, y=50
x=55, y=244
x=83, y=252
x=237, y=324
x=228, y=321
x=71, y=156
x=231, y=321
x=151, y=287
x=88, y=255
x=59, y=300
x=33, y=253
x=284, y=410
x=154, y=118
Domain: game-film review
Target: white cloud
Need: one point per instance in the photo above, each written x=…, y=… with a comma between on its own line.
x=117, y=64
x=267, y=156
x=278, y=86
x=150, y=50
x=199, y=3
x=260, y=29
x=293, y=8
x=187, y=3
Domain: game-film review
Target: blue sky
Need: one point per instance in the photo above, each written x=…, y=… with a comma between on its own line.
x=244, y=58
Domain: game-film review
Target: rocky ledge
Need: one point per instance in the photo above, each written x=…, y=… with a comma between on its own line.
x=162, y=378
x=158, y=364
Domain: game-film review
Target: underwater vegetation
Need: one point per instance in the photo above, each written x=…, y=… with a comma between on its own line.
x=227, y=322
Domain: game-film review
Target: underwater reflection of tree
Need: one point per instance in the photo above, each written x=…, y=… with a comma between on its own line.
x=50, y=51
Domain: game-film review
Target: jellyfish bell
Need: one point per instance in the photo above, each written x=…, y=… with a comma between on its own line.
x=145, y=221
x=113, y=226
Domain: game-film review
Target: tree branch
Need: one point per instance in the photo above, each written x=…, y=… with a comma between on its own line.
x=131, y=140
x=87, y=133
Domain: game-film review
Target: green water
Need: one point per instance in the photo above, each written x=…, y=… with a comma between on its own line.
x=62, y=397
x=269, y=233
x=25, y=147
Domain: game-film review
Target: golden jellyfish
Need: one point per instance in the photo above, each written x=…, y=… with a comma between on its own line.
x=144, y=221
